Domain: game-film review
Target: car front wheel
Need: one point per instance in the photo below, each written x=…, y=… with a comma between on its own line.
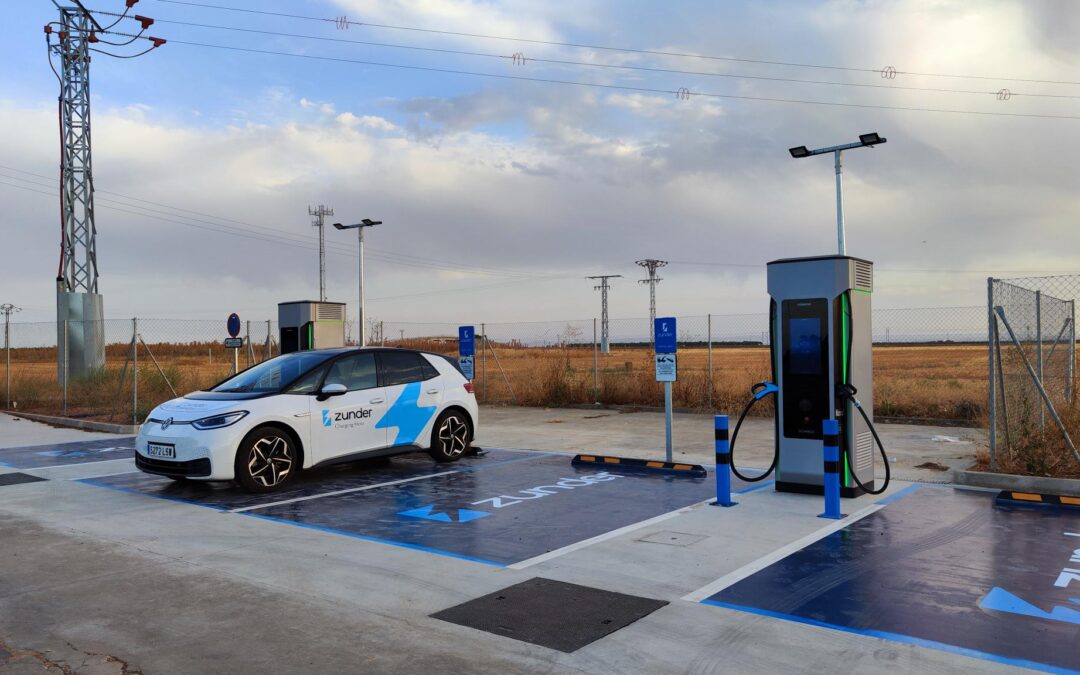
x=267, y=460
x=450, y=437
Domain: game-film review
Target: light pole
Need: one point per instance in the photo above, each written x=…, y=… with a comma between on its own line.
x=359, y=227
x=865, y=141
x=7, y=310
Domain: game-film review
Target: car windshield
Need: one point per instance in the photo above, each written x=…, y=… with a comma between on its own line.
x=272, y=375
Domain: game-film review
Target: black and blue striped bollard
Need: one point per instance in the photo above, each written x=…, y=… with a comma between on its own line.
x=723, y=462
x=831, y=442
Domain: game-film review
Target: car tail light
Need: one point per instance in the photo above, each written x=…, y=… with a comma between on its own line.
x=470, y=388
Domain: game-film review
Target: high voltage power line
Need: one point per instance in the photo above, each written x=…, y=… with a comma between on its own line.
x=345, y=22
x=262, y=234
x=681, y=93
x=521, y=59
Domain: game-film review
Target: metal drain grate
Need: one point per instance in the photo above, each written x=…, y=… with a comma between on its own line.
x=16, y=478
x=551, y=614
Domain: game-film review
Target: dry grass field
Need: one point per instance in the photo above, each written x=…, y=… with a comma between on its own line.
x=936, y=382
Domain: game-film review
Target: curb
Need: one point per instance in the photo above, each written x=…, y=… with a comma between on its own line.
x=1002, y=481
x=671, y=468
x=1013, y=498
x=71, y=423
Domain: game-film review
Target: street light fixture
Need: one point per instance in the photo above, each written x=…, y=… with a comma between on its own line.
x=359, y=227
x=865, y=141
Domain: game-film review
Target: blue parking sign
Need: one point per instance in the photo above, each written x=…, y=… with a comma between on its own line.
x=466, y=340
x=666, y=338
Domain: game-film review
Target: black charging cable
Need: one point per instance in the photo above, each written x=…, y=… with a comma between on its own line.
x=846, y=392
x=758, y=391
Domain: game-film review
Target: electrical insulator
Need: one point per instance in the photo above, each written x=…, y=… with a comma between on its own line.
x=93, y=37
x=157, y=41
x=131, y=3
x=145, y=21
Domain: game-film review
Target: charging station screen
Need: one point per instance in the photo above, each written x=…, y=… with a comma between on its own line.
x=804, y=357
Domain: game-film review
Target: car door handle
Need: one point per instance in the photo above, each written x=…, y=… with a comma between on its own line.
x=377, y=399
x=433, y=391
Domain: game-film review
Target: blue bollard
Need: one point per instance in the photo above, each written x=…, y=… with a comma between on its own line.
x=831, y=442
x=723, y=462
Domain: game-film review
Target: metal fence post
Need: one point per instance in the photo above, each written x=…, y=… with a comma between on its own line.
x=1070, y=372
x=708, y=390
x=483, y=360
x=135, y=371
x=1039, y=352
x=991, y=395
x=67, y=367
x=7, y=367
x=595, y=367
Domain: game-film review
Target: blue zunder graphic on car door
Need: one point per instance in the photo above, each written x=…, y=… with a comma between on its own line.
x=407, y=415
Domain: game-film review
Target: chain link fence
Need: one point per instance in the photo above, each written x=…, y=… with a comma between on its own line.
x=1032, y=365
x=543, y=363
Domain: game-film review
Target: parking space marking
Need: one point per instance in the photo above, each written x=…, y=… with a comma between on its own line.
x=603, y=537
x=388, y=483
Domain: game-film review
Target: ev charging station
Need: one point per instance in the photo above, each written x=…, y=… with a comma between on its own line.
x=821, y=349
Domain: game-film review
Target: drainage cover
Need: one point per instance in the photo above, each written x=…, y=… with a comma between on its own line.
x=16, y=478
x=551, y=614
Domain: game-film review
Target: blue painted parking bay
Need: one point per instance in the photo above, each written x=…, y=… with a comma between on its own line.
x=943, y=568
x=60, y=454
x=501, y=508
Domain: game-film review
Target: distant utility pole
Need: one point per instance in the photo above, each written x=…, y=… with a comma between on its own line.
x=318, y=219
x=605, y=346
x=7, y=310
x=652, y=265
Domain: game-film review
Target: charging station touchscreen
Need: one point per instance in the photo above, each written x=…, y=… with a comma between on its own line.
x=805, y=383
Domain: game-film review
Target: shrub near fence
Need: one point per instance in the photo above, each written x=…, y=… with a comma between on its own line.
x=928, y=363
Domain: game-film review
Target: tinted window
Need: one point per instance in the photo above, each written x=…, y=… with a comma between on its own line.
x=401, y=368
x=356, y=372
x=308, y=383
x=429, y=370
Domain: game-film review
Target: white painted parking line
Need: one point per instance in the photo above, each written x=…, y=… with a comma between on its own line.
x=604, y=537
x=777, y=555
x=388, y=483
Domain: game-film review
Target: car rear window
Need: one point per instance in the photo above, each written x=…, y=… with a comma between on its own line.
x=400, y=368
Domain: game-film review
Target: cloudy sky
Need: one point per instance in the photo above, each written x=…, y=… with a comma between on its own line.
x=499, y=195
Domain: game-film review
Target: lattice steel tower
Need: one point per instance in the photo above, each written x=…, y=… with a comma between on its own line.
x=318, y=219
x=652, y=265
x=605, y=345
x=79, y=312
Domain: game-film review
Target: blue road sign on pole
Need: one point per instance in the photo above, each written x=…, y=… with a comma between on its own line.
x=233, y=324
x=666, y=337
x=466, y=340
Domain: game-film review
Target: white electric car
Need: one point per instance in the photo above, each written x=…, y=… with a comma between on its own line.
x=264, y=425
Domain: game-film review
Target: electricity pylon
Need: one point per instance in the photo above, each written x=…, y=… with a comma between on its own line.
x=652, y=265
x=605, y=346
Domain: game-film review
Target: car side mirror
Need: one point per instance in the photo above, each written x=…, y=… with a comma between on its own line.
x=329, y=390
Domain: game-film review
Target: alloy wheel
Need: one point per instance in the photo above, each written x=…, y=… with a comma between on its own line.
x=453, y=436
x=271, y=461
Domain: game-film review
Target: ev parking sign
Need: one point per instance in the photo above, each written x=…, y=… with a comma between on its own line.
x=665, y=336
x=467, y=350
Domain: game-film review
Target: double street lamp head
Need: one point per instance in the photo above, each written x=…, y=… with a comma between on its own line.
x=865, y=141
x=366, y=222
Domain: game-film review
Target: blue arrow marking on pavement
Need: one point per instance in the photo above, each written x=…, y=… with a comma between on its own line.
x=425, y=513
x=1003, y=601
x=407, y=415
x=465, y=515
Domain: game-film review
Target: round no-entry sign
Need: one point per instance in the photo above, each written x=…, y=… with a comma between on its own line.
x=233, y=324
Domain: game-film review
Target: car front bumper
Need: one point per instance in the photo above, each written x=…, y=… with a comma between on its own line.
x=203, y=455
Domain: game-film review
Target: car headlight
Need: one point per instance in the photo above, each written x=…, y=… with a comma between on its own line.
x=219, y=421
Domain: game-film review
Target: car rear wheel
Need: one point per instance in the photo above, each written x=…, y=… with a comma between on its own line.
x=450, y=437
x=267, y=460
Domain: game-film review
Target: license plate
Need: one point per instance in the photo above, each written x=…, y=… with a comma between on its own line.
x=160, y=450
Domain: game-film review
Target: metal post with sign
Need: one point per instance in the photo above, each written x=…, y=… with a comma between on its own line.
x=234, y=342
x=467, y=350
x=666, y=343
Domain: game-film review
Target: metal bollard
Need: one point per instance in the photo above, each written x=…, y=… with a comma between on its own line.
x=723, y=462
x=831, y=443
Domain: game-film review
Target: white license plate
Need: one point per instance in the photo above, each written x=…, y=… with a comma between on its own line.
x=161, y=450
